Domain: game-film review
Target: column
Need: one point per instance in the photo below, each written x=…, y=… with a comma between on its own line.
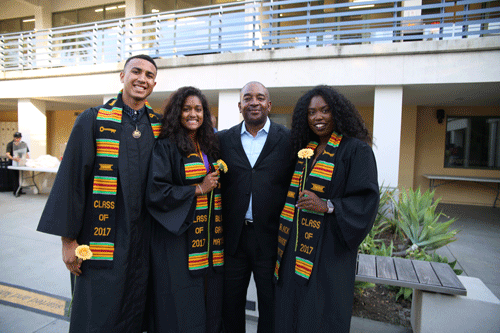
x=32, y=123
x=43, y=21
x=133, y=8
x=387, y=116
x=229, y=114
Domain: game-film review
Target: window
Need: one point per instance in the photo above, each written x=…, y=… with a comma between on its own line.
x=472, y=142
x=90, y=14
x=159, y=6
x=17, y=25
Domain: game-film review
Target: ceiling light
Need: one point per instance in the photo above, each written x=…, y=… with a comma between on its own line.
x=99, y=10
x=29, y=20
x=155, y=10
x=111, y=8
x=361, y=6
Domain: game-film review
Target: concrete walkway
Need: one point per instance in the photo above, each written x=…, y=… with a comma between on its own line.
x=32, y=260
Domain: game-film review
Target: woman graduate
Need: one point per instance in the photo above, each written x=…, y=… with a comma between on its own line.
x=331, y=205
x=183, y=198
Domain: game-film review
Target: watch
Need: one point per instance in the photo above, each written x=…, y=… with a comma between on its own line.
x=330, y=206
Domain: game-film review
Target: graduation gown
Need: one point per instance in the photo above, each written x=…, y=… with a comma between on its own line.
x=324, y=304
x=105, y=300
x=177, y=301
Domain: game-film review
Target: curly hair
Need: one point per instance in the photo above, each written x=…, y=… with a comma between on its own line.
x=173, y=130
x=346, y=119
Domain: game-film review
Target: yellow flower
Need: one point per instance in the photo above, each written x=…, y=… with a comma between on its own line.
x=83, y=252
x=306, y=153
x=222, y=165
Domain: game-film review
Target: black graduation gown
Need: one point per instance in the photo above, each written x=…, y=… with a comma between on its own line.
x=325, y=303
x=105, y=300
x=177, y=300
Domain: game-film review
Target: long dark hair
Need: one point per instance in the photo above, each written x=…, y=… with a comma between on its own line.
x=346, y=119
x=173, y=130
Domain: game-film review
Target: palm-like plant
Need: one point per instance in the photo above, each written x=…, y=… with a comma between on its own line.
x=417, y=218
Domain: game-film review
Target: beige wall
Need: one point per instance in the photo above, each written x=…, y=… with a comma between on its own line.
x=429, y=157
x=8, y=116
x=407, y=147
x=59, y=125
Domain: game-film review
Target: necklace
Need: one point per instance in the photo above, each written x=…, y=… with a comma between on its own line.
x=136, y=134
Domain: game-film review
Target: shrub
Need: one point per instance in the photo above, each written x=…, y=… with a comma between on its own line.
x=417, y=218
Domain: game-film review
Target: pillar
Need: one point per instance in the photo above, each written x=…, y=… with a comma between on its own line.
x=229, y=114
x=32, y=123
x=133, y=8
x=387, y=116
x=43, y=21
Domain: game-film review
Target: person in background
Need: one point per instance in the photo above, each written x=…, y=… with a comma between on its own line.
x=257, y=153
x=16, y=151
x=183, y=197
x=214, y=123
x=98, y=200
x=331, y=205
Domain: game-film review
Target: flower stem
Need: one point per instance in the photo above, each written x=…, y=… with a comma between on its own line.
x=298, y=210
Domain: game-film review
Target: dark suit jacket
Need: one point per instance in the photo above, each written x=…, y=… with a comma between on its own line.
x=268, y=181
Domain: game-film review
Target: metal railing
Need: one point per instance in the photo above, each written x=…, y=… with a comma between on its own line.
x=248, y=26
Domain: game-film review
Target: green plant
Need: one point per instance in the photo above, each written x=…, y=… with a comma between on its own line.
x=360, y=286
x=418, y=220
x=372, y=241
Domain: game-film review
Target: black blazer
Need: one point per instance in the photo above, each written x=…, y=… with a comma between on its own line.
x=268, y=181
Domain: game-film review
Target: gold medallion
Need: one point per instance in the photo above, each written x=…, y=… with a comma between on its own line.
x=136, y=134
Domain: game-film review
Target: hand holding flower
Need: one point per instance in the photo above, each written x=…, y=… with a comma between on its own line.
x=69, y=258
x=210, y=182
x=80, y=253
x=310, y=201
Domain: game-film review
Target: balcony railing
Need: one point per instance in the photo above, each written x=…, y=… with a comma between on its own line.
x=248, y=26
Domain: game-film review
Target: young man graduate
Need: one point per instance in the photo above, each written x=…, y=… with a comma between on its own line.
x=98, y=200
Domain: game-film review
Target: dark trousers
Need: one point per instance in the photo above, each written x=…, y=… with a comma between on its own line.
x=14, y=180
x=248, y=259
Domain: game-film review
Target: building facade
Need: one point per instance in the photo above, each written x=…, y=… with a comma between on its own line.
x=425, y=75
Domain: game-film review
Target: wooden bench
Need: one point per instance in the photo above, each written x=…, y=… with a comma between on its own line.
x=416, y=274
x=479, y=180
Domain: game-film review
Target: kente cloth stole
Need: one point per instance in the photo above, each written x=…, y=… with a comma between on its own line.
x=205, y=239
x=308, y=224
x=108, y=132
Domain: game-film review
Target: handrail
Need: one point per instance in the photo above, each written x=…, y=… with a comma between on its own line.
x=247, y=26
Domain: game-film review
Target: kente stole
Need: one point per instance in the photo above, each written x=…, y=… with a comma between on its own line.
x=309, y=224
x=205, y=239
x=108, y=132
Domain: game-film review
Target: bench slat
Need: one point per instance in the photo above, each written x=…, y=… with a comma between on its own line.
x=425, y=273
x=446, y=275
x=385, y=268
x=422, y=278
x=366, y=265
x=405, y=270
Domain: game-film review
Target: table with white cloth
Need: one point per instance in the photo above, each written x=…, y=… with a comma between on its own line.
x=30, y=176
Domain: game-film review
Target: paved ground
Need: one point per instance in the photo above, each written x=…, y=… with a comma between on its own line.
x=32, y=260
